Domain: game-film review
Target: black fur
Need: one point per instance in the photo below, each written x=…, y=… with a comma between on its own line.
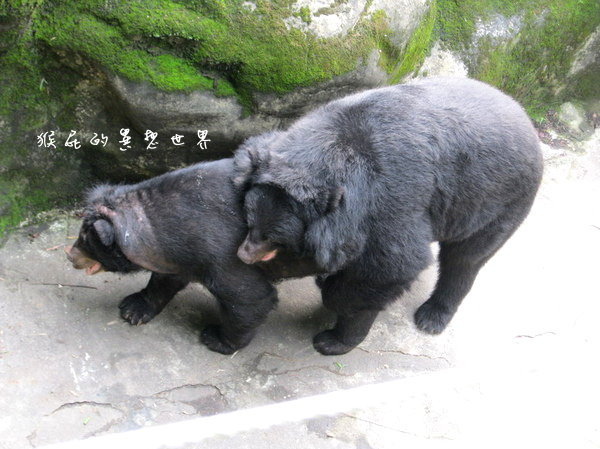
x=183, y=226
x=364, y=184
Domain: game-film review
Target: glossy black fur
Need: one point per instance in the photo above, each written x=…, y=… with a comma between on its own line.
x=185, y=226
x=373, y=179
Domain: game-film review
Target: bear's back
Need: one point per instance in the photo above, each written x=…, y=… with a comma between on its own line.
x=455, y=146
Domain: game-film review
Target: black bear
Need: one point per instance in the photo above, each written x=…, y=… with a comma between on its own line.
x=364, y=184
x=183, y=226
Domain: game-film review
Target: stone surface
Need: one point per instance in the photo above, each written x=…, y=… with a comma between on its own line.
x=169, y=112
x=335, y=18
x=143, y=107
x=588, y=55
x=498, y=28
x=574, y=118
x=140, y=108
x=326, y=21
x=522, y=347
x=404, y=16
x=490, y=33
x=442, y=62
x=106, y=103
x=196, y=67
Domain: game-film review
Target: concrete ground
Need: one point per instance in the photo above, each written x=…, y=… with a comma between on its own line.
x=521, y=355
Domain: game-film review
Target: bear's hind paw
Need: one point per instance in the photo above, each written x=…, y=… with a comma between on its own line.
x=210, y=336
x=327, y=343
x=432, y=318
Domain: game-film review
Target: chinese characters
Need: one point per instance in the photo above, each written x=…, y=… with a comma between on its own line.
x=48, y=139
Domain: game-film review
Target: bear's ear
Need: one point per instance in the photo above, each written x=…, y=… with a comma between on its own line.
x=334, y=241
x=253, y=155
x=337, y=238
x=297, y=180
x=245, y=164
x=105, y=231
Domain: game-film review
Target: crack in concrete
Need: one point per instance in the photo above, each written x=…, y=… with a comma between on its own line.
x=31, y=436
x=398, y=351
x=272, y=354
x=79, y=403
x=125, y=409
x=106, y=427
x=265, y=372
x=168, y=390
x=536, y=335
x=295, y=370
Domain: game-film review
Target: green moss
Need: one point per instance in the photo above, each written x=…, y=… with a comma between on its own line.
x=18, y=203
x=584, y=86
x=172, y=73
x=304, y=14
x=418, y=46
x=22, y=93
x=456, y=20
x=249, y=50
x=268, y=57
x=331, y=8
x=36, y=93
x=23, y=87
x=534, y=68
x=381, y=34
x=455, y=24
x=156, y=18
x=84, y=33
x=224, y=88
x=183, y=45
x=67, y=27
x=220, y=45
x=401, y=62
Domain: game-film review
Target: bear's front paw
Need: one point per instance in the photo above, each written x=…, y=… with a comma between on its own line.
x=327, y=343
x=136, y=310
x=211, y=337
x=432, y=318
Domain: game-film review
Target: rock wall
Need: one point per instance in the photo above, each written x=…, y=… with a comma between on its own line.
x=239, y=68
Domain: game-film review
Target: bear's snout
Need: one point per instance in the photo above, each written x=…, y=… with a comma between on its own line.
x=250, y=252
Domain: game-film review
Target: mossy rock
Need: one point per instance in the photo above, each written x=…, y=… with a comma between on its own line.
x=237, y=68
x=532, y=62
x=230, y=67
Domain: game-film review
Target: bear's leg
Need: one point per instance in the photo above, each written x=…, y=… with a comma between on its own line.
x=349, y=331
x=245, y=298
x=357, y=303
x=141, y=307
x=459, y=264
x=358, y=294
